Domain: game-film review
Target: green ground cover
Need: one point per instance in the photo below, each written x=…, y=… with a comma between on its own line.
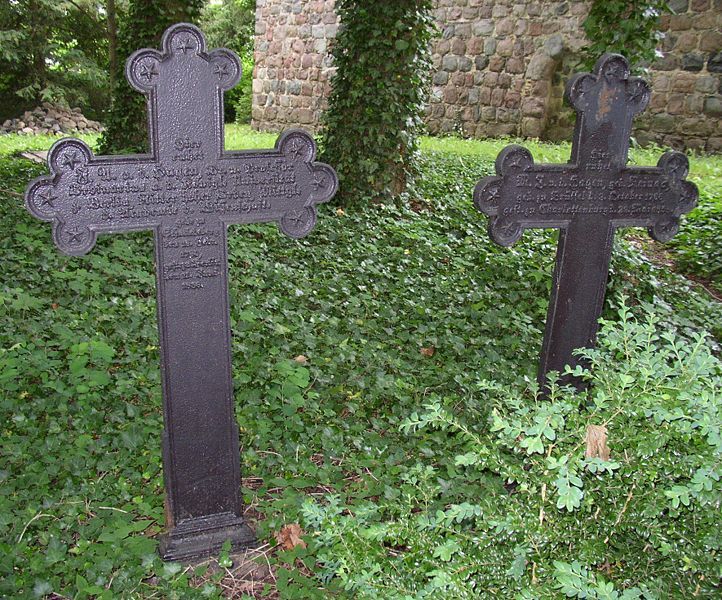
x=411, y=446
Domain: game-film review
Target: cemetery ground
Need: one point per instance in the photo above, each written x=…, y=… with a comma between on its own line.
x=384, y=371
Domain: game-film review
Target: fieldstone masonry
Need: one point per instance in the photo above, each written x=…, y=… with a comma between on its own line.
x=49, y=119
x=500, y=68
x=293, y=66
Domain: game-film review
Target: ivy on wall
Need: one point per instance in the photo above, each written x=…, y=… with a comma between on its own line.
x=628, y=27
x=127, y=121
x=369, y=132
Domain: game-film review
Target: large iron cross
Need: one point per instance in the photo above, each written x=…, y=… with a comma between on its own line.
x=587, y=199
x=187, y=191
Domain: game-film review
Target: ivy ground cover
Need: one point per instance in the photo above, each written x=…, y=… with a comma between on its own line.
x=383, y=371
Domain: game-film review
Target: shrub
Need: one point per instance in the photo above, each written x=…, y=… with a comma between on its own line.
x=547, y=517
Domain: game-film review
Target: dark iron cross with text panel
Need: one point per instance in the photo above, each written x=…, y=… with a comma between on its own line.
x=187, y=191
x=587, y=199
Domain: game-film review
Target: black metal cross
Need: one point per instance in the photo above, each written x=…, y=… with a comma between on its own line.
x=587, y=199
x=187, y=191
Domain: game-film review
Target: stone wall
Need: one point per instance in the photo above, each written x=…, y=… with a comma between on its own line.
x=292, y=64
x=496, y=63
x=499, y=69
x=686, y=106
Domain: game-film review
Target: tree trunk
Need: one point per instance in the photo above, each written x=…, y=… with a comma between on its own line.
x=112, y=41
x=39, y=36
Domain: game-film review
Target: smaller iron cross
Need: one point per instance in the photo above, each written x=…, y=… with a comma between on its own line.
x=587, y=199
x=187, y=191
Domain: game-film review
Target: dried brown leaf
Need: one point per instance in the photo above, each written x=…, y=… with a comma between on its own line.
x=290, y=536
x=597, y=442
x=428, y=351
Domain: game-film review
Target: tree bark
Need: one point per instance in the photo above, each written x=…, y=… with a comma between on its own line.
x=38, y=35
x=112, y=41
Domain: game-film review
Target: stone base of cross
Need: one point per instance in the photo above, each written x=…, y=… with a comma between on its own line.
x=188, y=190
x=587, y=199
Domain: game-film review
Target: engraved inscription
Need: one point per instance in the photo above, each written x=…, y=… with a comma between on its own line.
x=192, y=248
x=188, y=150
x=150, y=192
x=555, y=193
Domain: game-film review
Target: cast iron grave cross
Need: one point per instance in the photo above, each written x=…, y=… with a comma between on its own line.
x=187, y=191
x=587, y=199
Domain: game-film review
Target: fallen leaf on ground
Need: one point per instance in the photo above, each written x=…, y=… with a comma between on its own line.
x=290, y=536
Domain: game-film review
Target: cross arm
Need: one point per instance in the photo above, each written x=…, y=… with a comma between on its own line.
x=282, y=185
x=85, y=195
x=523, y=195
x=680, y=195
x=508, y=197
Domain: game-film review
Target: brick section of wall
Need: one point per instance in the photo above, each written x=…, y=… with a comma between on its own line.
x=292, y=66
x=499, y=69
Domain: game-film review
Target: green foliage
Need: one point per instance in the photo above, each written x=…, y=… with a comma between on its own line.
x=641, y=525
x=385, y=511
x=231, y=25
x=383, y=60
x=697, y=248
x=50, y=51
x=146, y=20
x=628, y=27
x=242, y=94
